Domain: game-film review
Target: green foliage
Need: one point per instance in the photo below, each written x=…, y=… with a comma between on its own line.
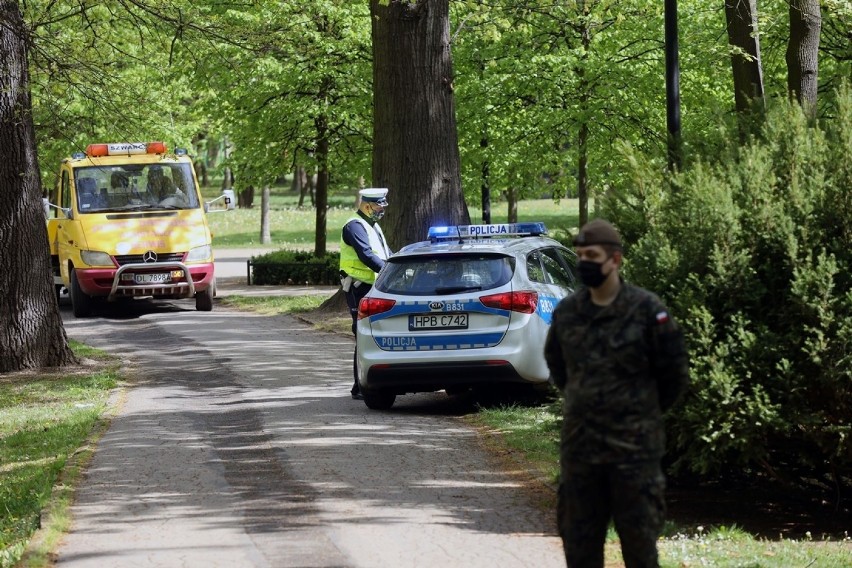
x=753, y=252
x=295, y=267
x=277, y=71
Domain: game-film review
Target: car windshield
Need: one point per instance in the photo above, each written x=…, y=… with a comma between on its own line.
x=132, y=187
x=431, y=275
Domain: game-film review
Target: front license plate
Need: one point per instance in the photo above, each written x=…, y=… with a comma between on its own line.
x=159, y=278
x=417, y=322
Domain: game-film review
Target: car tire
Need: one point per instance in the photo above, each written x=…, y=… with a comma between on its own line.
x=81, y=303
x=378, y=400
x=204, y=300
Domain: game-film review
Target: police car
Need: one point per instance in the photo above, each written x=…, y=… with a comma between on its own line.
x=468, y=308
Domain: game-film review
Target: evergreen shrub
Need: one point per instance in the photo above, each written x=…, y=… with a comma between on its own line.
x=295, y=267
x=752, y=251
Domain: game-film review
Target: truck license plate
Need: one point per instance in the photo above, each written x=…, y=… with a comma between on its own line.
x=158, y=278
x=418, y=322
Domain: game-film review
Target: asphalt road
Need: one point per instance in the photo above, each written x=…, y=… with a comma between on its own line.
x=237, y=444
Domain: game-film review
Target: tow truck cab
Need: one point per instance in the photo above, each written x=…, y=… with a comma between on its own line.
x=128, y=220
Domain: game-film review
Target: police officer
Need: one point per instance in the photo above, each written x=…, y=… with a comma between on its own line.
x=619, y=360
x=363, y=252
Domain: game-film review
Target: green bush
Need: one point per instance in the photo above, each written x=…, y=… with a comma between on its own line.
x=295, y=267
x=753, y=253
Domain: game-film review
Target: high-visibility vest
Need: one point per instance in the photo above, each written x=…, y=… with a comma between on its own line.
x=349, y=261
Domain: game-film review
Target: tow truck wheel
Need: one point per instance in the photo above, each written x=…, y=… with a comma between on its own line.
x=204, y=300
x=378, y=400
x=81, y=303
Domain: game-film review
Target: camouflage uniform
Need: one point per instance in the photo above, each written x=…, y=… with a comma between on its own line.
x=619, y=367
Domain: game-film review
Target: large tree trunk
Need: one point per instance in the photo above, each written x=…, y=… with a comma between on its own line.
x=321, y=123
x=741, y=17
x=415, y=143
x=803, y=53
x=31, y=331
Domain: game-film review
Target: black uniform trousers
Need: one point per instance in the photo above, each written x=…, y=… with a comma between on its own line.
x=631, y=494
x=353, y=298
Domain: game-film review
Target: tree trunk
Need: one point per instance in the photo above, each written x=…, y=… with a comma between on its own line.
x=228, y=179
x=741, y=17
x=265, y=235
x=486, y=185
x=583, y=172
x=311, y=184
x=512, y=205
x=201, y=173
x=803, y=53
x=321, y=123
x=212, y=154
x=583, y=134
x=296, y=184
x=415, y=142
x=31, y=331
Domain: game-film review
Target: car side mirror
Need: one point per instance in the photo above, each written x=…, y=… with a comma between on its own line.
x=46, y=204
x=230, y=202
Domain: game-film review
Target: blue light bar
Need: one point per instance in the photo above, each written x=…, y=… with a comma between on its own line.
x=78, y=155
x=180, y=151
x=530, y=229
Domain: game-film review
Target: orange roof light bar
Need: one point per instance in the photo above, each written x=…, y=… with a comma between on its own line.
x=156, y=147
x=97, y=150
x=125, y=149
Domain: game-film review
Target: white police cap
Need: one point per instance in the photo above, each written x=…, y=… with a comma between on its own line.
x=375, y=195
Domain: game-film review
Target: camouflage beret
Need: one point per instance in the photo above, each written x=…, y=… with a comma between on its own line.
x=597, y=232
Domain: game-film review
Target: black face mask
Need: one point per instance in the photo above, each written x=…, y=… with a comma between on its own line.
x=590, y=273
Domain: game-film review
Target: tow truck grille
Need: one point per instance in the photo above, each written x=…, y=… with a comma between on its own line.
x=123, y=259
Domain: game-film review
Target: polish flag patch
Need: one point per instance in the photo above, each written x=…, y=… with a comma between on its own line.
x=662, y=317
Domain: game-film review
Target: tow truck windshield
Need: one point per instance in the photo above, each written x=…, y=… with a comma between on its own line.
x=133, y=187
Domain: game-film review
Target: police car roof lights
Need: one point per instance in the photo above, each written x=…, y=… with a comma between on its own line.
x=460, y=232
x=125, y=149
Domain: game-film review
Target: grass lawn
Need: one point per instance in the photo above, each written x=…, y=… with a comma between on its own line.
x=46, y=422
x=292, y=227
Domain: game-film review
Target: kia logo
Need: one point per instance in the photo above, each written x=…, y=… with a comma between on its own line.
x=149, y=256
x=436, y=305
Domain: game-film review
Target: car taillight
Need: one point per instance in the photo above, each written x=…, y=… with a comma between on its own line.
x=372, y=306
x=523, y=302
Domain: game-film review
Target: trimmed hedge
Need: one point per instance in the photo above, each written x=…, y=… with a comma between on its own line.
x=295, y=267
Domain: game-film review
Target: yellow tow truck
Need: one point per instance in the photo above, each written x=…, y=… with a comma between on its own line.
x=128, y=220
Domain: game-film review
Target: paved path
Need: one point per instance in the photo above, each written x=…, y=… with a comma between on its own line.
x=238, y=445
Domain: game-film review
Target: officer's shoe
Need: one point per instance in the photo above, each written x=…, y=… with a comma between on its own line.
x=357, y=396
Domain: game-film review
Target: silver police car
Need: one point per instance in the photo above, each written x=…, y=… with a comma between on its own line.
x=468, y=308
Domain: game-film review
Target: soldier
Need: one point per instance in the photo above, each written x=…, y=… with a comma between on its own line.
x=363, y=252
x=620, y=361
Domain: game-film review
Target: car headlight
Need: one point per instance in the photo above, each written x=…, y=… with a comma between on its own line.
x=199, y=254
x=96, y=258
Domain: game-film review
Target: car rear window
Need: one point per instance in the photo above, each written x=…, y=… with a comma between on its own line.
x=437, y=275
